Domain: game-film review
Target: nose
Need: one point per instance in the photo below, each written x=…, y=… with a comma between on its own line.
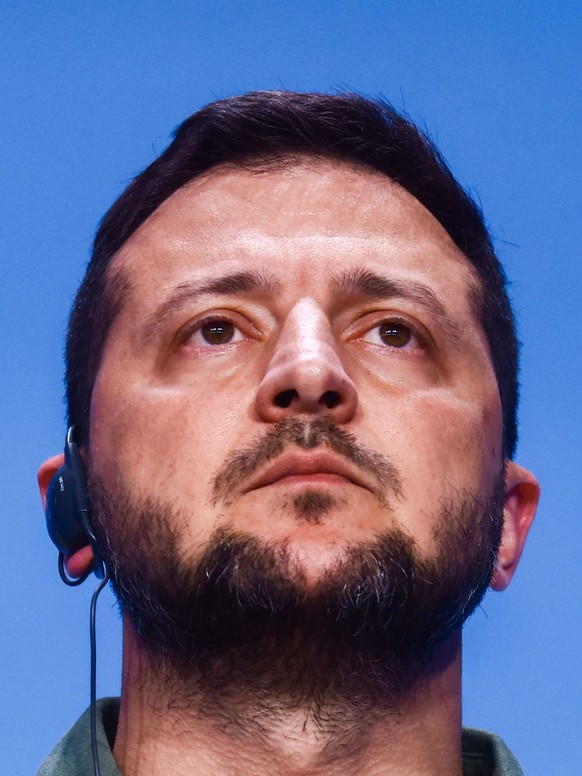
x=305, y=374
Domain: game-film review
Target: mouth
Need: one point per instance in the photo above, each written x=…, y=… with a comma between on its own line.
x=314, y=468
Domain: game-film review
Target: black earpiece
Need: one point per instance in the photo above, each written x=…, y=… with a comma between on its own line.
x=69, y=526
x=67, y=512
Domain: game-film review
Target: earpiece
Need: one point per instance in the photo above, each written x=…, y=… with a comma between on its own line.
x=67, y=511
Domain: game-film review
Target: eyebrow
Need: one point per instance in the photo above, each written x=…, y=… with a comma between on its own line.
x=363, y=283
x=249, y=282
x=357, y=282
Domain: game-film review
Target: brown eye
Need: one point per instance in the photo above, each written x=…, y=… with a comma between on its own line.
x=217, y=332
x=395, y=334
x=213, y=333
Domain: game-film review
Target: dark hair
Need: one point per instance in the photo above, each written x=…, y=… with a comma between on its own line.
x=269, y=126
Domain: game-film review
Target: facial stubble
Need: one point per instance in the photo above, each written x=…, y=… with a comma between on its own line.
x=236, y=621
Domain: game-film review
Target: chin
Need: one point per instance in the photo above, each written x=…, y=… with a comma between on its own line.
x=315, y=558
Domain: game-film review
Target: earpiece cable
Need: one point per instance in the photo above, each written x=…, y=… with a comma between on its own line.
x=93, y=640
x=66, y=579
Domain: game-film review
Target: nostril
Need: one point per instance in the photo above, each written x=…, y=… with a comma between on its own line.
x=330, y=399
x=285, y=398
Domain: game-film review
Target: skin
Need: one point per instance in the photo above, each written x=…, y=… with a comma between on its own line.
x=168, y=406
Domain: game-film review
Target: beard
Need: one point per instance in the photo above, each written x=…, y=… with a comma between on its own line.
x=236, y=623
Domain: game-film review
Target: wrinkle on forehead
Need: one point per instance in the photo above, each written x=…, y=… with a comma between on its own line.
x=361, y=191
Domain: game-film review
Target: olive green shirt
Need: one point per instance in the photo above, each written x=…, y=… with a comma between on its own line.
x=483, y=753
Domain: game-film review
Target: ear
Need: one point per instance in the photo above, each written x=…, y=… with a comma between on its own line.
x=47, y=471
x=522, y=493
x=81, y=561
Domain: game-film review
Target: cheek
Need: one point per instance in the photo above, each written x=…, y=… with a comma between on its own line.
x=465, y=441
x=442, y=445
x=160, y=441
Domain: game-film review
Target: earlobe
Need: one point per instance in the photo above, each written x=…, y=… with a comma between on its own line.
x=46, y=472
x=79, y=563
x=522, y=492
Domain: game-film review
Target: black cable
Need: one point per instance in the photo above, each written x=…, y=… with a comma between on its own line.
x=93, y=640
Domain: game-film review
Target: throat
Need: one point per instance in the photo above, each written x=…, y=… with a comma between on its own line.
x=182, y=725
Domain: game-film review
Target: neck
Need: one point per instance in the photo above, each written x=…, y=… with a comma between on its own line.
x=164, y=729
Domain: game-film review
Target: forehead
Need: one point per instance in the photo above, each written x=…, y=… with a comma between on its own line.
x=298, y=220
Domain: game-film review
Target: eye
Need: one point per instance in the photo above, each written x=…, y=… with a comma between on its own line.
x=393, y=333
x=213, y=332
x=217, y=332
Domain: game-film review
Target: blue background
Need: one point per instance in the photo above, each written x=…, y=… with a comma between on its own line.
x=89, y=95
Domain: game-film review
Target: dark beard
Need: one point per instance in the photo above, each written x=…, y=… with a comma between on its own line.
x=237, y=622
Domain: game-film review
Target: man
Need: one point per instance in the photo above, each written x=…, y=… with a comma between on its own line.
x=291, y=375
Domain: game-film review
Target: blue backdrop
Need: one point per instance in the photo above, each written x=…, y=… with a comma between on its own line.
x=90, y=93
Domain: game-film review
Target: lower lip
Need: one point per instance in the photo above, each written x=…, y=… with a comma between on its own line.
x=317, y=479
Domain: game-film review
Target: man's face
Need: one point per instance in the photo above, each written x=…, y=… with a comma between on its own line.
x=316, y=292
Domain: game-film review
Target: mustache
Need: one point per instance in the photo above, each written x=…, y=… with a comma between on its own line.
x=307, y=435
